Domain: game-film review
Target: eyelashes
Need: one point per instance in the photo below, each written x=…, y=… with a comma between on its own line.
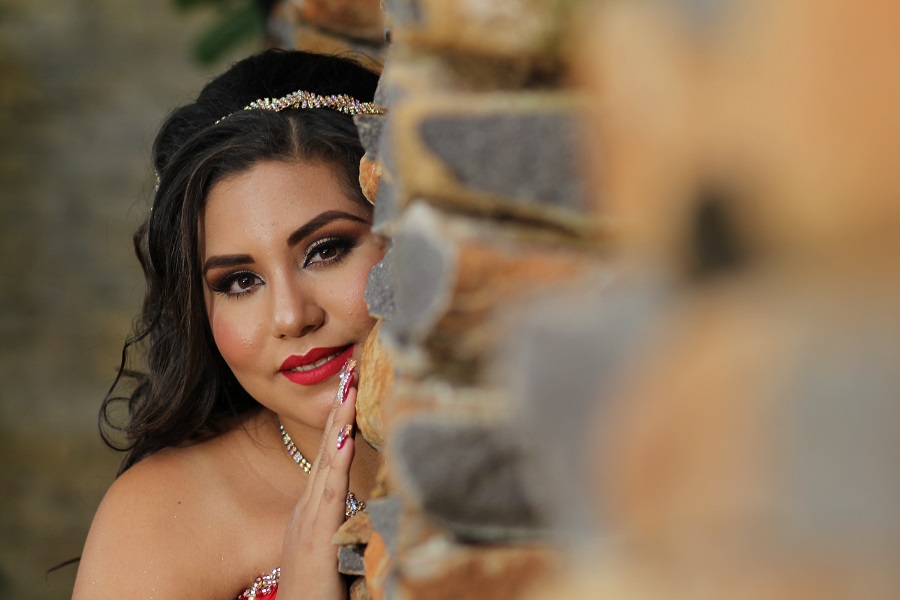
x=321, y=254
x=329, y=251
x=237, y=284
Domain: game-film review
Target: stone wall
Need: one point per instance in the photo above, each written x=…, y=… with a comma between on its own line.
x=638, y=324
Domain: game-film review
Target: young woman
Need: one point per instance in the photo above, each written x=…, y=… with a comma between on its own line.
x=241, y=456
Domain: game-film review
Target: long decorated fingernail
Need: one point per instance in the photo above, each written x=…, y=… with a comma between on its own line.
x=343, y=434
x=346, y=380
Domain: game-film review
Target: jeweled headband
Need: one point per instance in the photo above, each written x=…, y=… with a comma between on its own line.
x=303, y=99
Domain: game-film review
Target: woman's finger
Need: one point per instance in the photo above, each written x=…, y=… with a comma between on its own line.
x=342, y=415
x=347, y=377
x=327, y=459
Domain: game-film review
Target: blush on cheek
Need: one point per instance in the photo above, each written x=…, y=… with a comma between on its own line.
x=236, y=340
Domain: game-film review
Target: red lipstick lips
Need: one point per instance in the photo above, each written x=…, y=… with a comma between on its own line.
x=299, y=369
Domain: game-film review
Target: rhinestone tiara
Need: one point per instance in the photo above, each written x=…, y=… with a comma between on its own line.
x=303, y=99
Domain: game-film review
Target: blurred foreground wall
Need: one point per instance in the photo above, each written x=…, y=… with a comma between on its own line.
x=639, y=323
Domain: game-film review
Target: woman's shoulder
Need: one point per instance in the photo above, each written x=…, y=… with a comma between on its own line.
x=163, y=489
x=164, y=525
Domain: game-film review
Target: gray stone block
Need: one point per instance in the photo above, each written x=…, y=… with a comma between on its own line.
x=531, y=158
x=835, y=432
x=380, y=285
x=423, y=270
x=404, y=12
x=565, y=350
x=385, y=514
x=464, y=476
x=369, y=128
x=387, y=208
x=350, y=560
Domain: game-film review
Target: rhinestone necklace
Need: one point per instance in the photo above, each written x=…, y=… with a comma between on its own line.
x=293, y=450
x=352, y=504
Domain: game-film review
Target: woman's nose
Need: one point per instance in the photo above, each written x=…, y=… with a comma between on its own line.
x=295, y=311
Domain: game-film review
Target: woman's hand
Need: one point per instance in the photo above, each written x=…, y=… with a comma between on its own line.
x=309, y=559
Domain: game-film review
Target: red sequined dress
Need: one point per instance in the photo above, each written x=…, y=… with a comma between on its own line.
x=264, y=588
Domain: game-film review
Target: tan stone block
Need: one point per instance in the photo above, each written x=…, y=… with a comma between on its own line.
x=451, y=274
x=376, y=382
x=409, y=73
x=498, y=153
x=643, y=580
x=530, y=30
x=787, y=111
x=356, y=19
x=359, y=590
x=809, y=101
x=750, y=448
x=638, y=62
x=355, y=530
x=378, y=566
x=415, y=397
x=382, y=486
x=315, y=40
x=369, y=176
x=454, y=572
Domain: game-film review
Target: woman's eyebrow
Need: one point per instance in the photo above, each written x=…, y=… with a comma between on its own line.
x=228, y=260
x=320, y=221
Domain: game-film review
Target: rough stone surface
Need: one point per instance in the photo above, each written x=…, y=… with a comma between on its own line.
x=403, y=12
x=385, y=148
x=423, y=271
x=356, y=19
x=470, y=481
x=313, y=39
x=385, y=514
x=359, y=590
x=379, y=293
x=355, y=530
x=527, y=30
x=498, y=573
x=495, y=153
x=380, y=578
x=369, y=128
x=560, y=354
x=769, y=400
x=350, y=560
x=450, y=273
x=527, y=158
x=376, y=384
x=369, y=178
x=386, y=206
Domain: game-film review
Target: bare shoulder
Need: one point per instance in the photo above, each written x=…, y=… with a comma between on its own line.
x=155, y=530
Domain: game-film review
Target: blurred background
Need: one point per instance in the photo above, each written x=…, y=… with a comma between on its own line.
x=85, y=83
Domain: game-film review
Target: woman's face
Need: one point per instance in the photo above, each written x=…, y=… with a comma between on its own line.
x=284, y=255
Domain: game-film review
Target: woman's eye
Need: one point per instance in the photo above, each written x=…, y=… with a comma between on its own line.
x=242, y=283
x=328, y=251
x=237, y=284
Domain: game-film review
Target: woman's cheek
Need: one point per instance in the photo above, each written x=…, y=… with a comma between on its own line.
x=237, y=339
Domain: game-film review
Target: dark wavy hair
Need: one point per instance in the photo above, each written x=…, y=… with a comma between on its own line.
x=184, y=392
